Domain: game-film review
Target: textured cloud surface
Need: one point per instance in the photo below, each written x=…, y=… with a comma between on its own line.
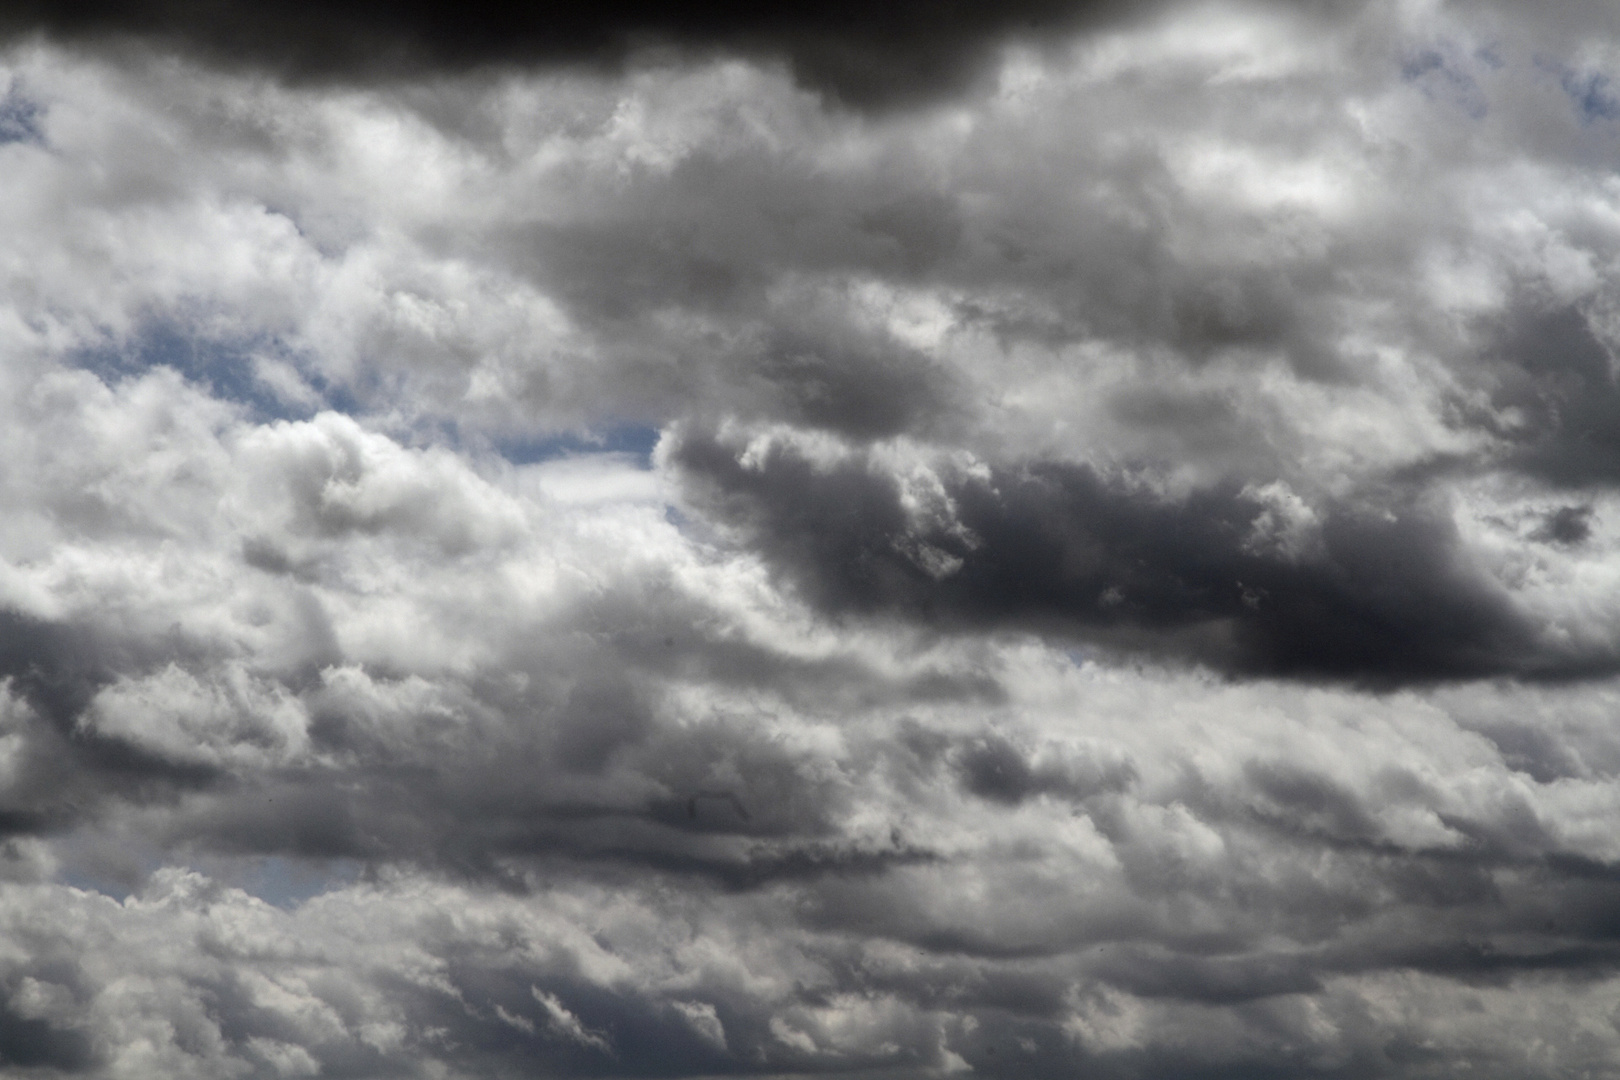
x=1063, y=540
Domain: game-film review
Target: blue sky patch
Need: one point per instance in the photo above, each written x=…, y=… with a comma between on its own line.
x=635, y=440
x=285, y=882
x=1441, y=77
x=19, y=117
x=1594, y=94
x=227, y=367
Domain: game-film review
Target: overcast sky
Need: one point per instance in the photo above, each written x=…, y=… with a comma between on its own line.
x=1037, y=539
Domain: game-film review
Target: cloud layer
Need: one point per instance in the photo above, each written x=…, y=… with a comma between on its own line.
x=862, y=55
x=1069, y=540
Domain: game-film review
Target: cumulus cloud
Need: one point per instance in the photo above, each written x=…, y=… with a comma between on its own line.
x=1383, y=592
x=1063, y=539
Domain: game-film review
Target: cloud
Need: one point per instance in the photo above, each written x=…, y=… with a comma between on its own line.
x=864, y=56
x=1273, y=876
x=1366, y=590
x=591, y=556
x=567, y=1025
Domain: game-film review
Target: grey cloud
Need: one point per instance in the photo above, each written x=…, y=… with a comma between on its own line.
x=1213, y=980
x=902, y=53
x=739, y=254
x=519, y=800
x=588, y=771
x=993, y=768
x=260, y=723
x=1566, y=525
x=1558, y=381
x=1310, y=804
x=601, y=715
x=67, y=773
x=1019, y=985
x=1531, y=749
x=1387, y=597
x=1101, y=499
x=714, y=274
x=35, y=1044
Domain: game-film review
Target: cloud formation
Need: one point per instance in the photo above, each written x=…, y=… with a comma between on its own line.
x=860, y=54
x=571, y=548
x=1221, y=574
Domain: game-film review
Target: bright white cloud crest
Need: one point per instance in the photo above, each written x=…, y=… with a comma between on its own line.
x=581, y=571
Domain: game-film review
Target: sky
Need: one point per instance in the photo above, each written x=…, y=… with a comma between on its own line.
x=1024, y=540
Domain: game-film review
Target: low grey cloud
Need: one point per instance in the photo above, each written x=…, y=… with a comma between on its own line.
x=1375, y=589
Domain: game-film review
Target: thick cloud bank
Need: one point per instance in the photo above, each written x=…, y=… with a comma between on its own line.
x=866, y=55
x=1056, y=541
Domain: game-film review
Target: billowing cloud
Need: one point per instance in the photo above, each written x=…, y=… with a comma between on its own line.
x=1222, y=574
x=1052, y=540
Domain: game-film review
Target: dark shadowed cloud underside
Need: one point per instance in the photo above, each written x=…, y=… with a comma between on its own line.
x=863, y=54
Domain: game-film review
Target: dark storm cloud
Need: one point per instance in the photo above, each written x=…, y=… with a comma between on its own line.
x=865, y=54
x=27, y=1043
x=1216, y=980
x=69, y=771
x=1385, y=595
x=56, y=668
x=1566, y=525
x=1557, y=384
